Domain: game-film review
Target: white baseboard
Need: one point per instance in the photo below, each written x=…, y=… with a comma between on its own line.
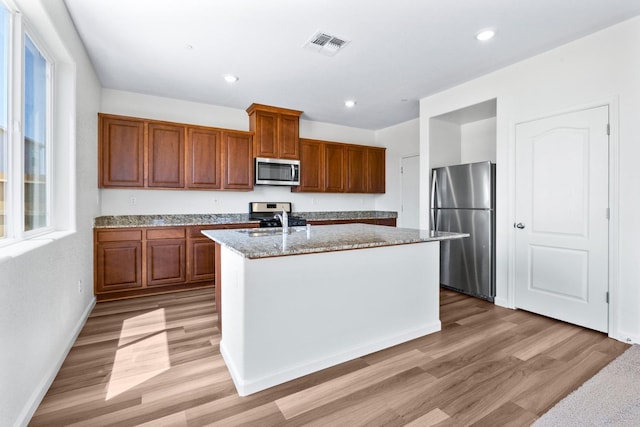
x=253, y=385
x=502, y=302
x=626, y=337
x=42, y=388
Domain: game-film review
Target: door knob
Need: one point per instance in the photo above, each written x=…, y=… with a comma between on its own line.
x=518, y=225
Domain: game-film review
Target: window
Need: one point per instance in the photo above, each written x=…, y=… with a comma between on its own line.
x=36, y=194
x=4, y=115
x=25, y=137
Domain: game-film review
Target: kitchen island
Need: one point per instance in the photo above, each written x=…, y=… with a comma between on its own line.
x=300, y=302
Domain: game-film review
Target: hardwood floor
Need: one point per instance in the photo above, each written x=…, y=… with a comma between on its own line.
x=155, y=361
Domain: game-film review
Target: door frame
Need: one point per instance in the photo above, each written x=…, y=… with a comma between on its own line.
x=614, y=185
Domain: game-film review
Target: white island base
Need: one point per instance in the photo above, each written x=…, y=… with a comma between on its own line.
x=288, y=316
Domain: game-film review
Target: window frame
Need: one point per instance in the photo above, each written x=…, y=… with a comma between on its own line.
x=15, y=204
x=7, y=135
x=49, y=149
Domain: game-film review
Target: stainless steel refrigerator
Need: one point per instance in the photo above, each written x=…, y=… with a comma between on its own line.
x=463, y=200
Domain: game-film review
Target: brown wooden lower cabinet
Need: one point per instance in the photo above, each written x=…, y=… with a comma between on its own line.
x=139, y=261
x=201, y=255
x=166, y=256
x=218, y=263
x=119, y=265
x=391, y=222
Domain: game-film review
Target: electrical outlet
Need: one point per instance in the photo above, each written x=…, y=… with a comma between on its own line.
x=80, y=286
x=132, y=201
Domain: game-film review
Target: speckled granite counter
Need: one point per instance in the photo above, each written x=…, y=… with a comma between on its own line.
x=264, y=243
x=210, y=219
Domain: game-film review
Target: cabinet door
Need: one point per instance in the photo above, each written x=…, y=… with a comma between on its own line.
x=118, y=265
x=166, y=155
x=203, y=158
x=237, y=161
x=376, y=173
x=166, y=256
x=201, y=259
x=121, y=151
x=266, y=134
x=166, y=262
x=356, y=169
x=334, y=168
x=311, y=166
x=288, y=140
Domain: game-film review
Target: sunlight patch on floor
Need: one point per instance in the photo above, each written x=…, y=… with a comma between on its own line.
x=143, y=352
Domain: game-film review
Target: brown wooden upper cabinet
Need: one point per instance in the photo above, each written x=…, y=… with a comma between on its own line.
x=166, y=155
x=144, y=153
x=204, y=158
x=275, y=131
x=121, y=142
x=357, y=169
x=237, y=160
x=333, y=167
x=376, y=174
x=312, y=176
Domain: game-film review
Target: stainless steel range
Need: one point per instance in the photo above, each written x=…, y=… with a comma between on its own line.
x=266, y=212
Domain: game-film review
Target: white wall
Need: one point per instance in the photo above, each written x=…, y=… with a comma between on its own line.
x=401, y=140
x=601, y=68
x=42, y=307
x=478, y=141
x=118, y=201
x=446, y=143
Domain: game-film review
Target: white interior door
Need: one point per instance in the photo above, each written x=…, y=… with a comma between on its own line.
x=561, y=234
x=410, y=217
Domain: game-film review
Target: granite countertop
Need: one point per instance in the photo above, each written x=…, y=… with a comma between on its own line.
x=215, y=219
x=264, y=243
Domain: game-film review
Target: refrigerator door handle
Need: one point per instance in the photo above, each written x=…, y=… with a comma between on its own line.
x=434, y=186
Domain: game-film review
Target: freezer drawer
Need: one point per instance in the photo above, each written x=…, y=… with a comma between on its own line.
x=467, y=264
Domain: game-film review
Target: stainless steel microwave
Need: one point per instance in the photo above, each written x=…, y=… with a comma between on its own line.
x=277, y=171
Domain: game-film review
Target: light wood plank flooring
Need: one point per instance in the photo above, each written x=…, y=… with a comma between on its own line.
x=155, y=361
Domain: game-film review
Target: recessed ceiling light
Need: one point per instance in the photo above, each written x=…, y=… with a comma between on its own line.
x=350, y=103
x=230, y=78
x=485, y=35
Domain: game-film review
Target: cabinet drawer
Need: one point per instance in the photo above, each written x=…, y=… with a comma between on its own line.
x=166, y=233
x=245, y=225
x=118, y=235
x=196, y=230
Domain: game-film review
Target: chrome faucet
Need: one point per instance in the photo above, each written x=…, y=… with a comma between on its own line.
x=284, y=220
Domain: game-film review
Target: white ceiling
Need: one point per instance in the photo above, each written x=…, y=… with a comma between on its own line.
x=399, y=51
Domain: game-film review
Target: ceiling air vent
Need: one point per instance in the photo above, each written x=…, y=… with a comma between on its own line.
x=325, y=43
